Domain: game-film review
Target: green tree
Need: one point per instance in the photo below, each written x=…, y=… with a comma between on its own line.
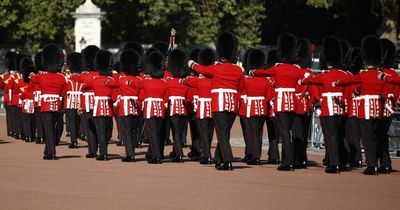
x=200, y=21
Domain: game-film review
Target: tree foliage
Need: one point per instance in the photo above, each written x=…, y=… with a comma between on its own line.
x=200, y=21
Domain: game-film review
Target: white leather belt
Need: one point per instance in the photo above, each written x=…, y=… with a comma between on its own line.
x=149, y=104
x=250, y=100
x=329, y=96
x=203, y=102
x=367, y=104
x=221, y=92
x=280, y=92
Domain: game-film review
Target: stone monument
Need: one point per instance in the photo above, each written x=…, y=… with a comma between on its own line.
x=87, y=25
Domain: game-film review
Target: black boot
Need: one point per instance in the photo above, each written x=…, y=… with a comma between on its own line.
x=102, y=158
x=225, y=167
x=154, y=161
x=285, y=167
x=91, y=155
x=50, y=157
x=73, y=145
x=40, y=140
x=128, y=159
x=385, y=170
x=254, y=161
x=206, y=161
x=273, y=162
x=332, y=170
x=371, y=171
x=178, y=159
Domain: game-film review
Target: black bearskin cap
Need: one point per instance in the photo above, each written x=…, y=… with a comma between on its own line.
x=26, y=72
x=304, y=55
x=162, y=47
x=24, y=62
x=88, y=57
x=38, y=61
x=103, y=62
x=134, y=46
x=52, y=58
x=371, y=51
x=287, y=48
x=18, y=62
x=331, y=52
x=227, y=46
x=245, y=59
x=75, y=62
x=9, y=58
x=346, y=52
x=256, y=59
x=389, y=53
x=177, y=62
x=272, y=58
x=207, y=57
x=194, y=54
x=356, y=62
x=154, y=66
x=129, y=62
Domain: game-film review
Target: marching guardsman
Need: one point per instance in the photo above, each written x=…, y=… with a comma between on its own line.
x=371, y=106
x=226, y=80
x=40, y=135
x=390, y=93
x=352, y=128
x=129, y=104
x=28, y=108
x=285, y=75
x=242, y=112
x=177, y=94
x=205, y=122
x=102, y=106
x=332, y=103
x=273, y=132
x=256, y=89
x=87, y=99
x=52, y=87
x=72, y=99
x=153, y=97
x=303, y=108
x=6, y=85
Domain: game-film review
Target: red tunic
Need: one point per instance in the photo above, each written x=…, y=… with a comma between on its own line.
x=4, y=80
x=17, y=83
x=332, y=100
x=87, y=98
x=52, y=86
x=390, y=94
x=256, y=89
x=102, y=106
x=203, y=85
x=226, y=80
x=286, y=78
x=36, y=91
x=73, y=93
x=129, y=95
x=27, y=99
x=153, y=96
x=371, y=89
x=176, y=95
x=303, y=96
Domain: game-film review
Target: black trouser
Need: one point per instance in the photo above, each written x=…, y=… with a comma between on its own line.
x=29, y=125
x=39, y=123
x=284, y=122
x=8, y=118
x=194, y=135
x=118, y=122
x=177, y=123
x=206, y=132
x=383, y=142
x=90, y=132
x=153, y=129
x=73, y=121
x=59, y=126
x=333, y=130
x=165, y=128
x=102, y=125
x=247, y=148
x=141, y=134
x=223, y=122
x=13, y=120
x=369, y=130
x=19, y=121
x=129, y=132
x=299, y=141
x=353, y=139
x=50, y=120
x=273, y=139
x=254, y=127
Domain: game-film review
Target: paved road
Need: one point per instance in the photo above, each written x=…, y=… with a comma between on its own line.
x=74, y=182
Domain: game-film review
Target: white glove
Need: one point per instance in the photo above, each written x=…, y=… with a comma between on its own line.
x=191, y=63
